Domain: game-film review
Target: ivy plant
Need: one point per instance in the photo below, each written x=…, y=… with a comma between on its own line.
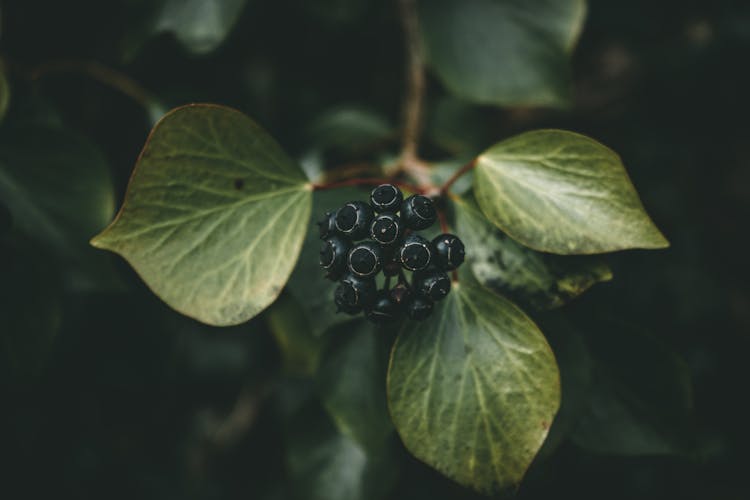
x=218, y=221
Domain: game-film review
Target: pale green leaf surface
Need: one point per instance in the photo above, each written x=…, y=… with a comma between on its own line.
x=474, y=389
x=562, y=192
x=543, y=281
x=503, y=52
x=200, y=25
x=214, y=216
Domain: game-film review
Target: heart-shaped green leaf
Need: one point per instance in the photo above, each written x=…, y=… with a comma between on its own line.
x=473, y=390
x=214, y=216
x=562, y=192
x=503, y=52
x=543, y=281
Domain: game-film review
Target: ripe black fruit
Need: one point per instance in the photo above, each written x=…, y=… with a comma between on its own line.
x=354, y=219
x=449, y=251
x=354, y=294
x=433, y=284
x=333, y=254
x=383, y=310
x=327, y=225
x=365, y=259
x=416, y=253
x=418, y=307
x=386, y=198
x=386, y=229
x=418, y=212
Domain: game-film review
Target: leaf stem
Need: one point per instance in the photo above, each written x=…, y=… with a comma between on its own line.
x=367, y=182
x=461, y=171
x=105, y=75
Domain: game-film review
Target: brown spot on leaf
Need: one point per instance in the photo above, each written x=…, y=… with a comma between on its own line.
x=239, y=184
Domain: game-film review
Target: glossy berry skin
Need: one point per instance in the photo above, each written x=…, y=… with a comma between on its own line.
x=333, y=256
x=383, y=309
x=418, y=307
x=386, y=229
x=400, y=294
x=386, y=198
x=433, y=284
x=416, y=253
x=418, y=212
x=449, y=251
x=327, y=226
x=354, y=219
x=365, y=259
x=354, y=294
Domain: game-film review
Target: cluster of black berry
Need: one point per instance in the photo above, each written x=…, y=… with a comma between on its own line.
x=362, y=239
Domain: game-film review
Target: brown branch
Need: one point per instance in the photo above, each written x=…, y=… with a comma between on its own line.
x=461, y=171
x=415, y=85
x=368, y=182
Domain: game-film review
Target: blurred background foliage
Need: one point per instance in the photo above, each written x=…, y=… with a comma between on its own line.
x=108, y=393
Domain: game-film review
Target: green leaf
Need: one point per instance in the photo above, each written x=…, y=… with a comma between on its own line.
x=474, y=389
x=561, y=192
x=349, y=129
x=351, y=382
x=300, y=349
x=214, y=216
x=503, y=52
x=327, y=465
x=200, y=25
x=307, y=284
x=641, y=398
x=59, y=190
x=543, y=281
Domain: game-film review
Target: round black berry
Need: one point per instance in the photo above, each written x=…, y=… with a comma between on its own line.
x=418, y=307
x=327, y=225
x=354, y=294
x=400, y=294
x=365, y=259
x=354, y=219
x=386, y=198
x=333, y=255
x=418, y=212
x=416, y=253
x=449, y=251
x=434, y=284
x=386, y=229
x=383, y=310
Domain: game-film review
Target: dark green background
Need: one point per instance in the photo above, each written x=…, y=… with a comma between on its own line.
x=123, y=402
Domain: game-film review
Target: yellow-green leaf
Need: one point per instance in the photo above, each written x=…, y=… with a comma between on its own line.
x=214, y=216
x=473, y=390
x=564, y=193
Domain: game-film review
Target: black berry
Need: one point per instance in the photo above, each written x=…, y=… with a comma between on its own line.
x=416, y=253
x=333, y=254
x=365, y=259
x=354, y=294
x=386, y=198
x=354, y=219
x=418, y=212
x=327, y=225
x=386, y=229
x=433, y=284
x=418, y=307
x=449, y=251
x=383, y=310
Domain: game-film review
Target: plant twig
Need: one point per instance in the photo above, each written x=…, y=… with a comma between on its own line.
x=461, y=171
x=105, y=75
x=414, y=97
x=367, y=182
